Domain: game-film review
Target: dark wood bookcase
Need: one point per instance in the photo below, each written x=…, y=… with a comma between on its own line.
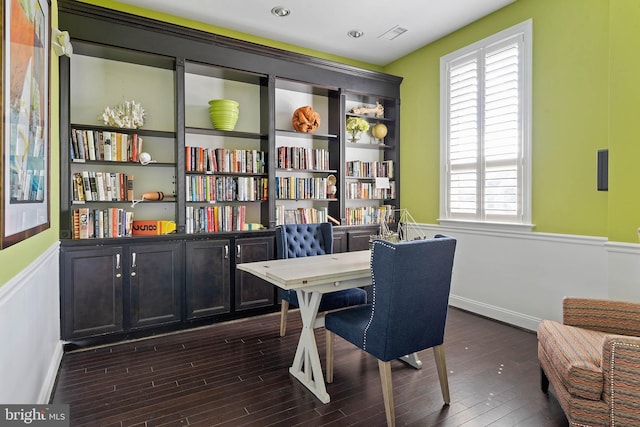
x=173, y=71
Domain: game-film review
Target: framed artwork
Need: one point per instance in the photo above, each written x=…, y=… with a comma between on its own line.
x=26, y=30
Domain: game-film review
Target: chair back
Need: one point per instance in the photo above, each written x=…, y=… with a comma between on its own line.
x=299, y=240
x=411, y=285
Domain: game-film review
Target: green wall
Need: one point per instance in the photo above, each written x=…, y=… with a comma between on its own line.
x=624, y=144
x=570, y=113
x=585, y=98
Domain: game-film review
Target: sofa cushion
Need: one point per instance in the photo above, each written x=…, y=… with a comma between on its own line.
x=576, y=356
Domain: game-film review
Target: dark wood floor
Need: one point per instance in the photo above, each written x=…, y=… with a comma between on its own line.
x=236, y=374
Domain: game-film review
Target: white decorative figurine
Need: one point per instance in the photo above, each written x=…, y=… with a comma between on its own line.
x=128, y=115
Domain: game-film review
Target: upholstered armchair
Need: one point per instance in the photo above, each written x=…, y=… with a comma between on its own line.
x=592, y=361
x=301, y=240
x=411, y=282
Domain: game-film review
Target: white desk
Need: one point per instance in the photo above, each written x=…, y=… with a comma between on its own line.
x=311, y=277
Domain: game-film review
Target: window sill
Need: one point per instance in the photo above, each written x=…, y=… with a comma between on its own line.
x=485, y=225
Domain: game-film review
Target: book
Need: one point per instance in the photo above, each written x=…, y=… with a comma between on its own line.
x=115, y=188
x=122, y=186
x=76, y=224
x=101, y=186
x=86, y=186
x=152, y=227
x=83, y=221
x=74, y=144
x=99, y=137
x=106, y=138
x=90, y=144
x=130, y=192
x=93, y=186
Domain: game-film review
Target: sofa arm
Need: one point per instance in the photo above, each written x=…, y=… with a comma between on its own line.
x=620, y=368
x=609, y=316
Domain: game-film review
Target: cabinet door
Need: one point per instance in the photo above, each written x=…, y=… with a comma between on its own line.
x=252, y=292
x=207, y=282
x=339, y=241
x=155, y=272
x=91, y=292
x=359, y=240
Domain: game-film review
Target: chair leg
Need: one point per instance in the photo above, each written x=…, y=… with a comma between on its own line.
x=441, y=365
x=544, y=381
x=283, y=317
x=330, y=339
x=387, y=391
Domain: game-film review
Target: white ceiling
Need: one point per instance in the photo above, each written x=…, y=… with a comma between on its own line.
x=322, y=25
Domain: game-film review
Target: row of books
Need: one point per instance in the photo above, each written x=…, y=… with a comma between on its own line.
x=365, y=215
x=213, y=219
x=226, y=188
x=104, y=145
x=101, y=223
x=368, y=190
x=200, y=159
x=300, y=215
x=102, y=186
x=303, y=158
x=361, y=169
x=294, y=188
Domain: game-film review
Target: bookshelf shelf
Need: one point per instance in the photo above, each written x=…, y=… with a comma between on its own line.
x=321, y=171
x=226, y=133
x=314, y=135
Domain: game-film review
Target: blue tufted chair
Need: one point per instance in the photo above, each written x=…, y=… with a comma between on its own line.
x=410, y=285
x=300, y=240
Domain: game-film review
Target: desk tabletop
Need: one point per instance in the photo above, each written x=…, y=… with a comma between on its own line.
x=296, y=273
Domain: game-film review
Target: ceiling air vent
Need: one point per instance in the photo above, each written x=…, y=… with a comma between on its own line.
x=393, y=33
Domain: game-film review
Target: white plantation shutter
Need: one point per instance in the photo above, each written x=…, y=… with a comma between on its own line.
x=485, y=142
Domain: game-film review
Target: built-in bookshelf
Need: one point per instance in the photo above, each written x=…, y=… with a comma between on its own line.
x=104, y=177
x=216, y=191
x=260, y=174
x=307, y=162
x=371, y=185
x=226, y=171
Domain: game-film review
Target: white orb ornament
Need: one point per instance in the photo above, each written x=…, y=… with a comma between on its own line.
x=144, y=158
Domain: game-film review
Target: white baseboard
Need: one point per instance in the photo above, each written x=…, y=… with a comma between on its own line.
x=507, y=316
x=49, y=381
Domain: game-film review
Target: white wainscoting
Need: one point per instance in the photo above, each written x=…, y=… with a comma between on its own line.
x=521, y=278
x=30, y=346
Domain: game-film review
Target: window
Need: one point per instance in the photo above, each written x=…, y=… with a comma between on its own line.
x=485, y=130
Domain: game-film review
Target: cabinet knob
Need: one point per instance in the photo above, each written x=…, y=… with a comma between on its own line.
x=226, y=251
x=133, y=273
x=237, y=251
x=118, y=275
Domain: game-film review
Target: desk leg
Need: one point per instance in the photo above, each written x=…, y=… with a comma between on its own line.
x=413, y=360
x=306, y=363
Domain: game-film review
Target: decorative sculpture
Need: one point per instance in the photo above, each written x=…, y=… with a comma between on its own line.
x=305, y=119
x=378, y=110
x=128, y=115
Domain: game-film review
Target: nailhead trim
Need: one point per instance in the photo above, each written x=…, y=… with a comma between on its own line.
x=373, y=293
x=612, y=365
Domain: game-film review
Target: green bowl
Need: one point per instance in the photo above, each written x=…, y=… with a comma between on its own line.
x=224, y=102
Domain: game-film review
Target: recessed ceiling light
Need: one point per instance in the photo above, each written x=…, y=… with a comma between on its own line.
x=356, y=34
x=280, y=11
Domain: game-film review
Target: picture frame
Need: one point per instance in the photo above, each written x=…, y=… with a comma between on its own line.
x=25, y=141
